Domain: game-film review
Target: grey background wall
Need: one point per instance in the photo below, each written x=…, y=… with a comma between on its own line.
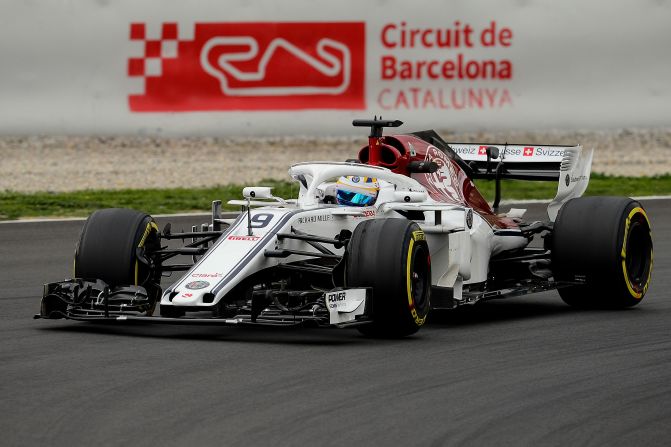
x=74, y=67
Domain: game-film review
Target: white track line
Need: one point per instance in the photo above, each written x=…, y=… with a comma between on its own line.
x=532, y=201
x=207, y=215
x=76, y=219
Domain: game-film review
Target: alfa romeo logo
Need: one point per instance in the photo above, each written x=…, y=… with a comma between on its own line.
x=469, y=219
x=195, y=285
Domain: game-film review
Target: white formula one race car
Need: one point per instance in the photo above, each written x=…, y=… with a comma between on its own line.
x=375, y=243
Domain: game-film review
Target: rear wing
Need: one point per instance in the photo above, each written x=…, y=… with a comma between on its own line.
x=512, y=161
x=569, y=165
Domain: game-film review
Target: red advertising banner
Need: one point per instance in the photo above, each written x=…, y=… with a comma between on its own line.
x=250, y=66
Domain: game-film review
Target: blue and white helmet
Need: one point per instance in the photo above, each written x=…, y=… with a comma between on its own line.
x=357, y=191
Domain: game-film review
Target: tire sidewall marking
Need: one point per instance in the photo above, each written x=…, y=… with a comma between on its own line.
x=623, y=254
x=151, y=225
x=417, y=235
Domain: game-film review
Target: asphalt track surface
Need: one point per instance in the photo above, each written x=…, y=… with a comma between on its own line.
x=523, y=371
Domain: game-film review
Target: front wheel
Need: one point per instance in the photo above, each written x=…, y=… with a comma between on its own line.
x=116, y=245
x=605, y=243
x=392, y=257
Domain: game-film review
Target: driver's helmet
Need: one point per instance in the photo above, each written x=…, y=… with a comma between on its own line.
x=356, y=191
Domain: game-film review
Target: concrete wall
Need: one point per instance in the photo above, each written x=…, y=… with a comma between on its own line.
x=310, y=66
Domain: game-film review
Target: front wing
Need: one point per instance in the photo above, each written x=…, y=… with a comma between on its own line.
x=94, y=301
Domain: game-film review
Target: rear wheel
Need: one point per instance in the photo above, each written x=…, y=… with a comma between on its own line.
x=605, y=243
x=116, y=245
x=392, y=257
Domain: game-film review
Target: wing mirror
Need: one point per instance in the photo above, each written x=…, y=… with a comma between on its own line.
x=426, y=167
x=410, y=196
x=258, y=192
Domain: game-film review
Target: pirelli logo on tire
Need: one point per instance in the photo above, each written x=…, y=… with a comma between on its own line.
x=417, y=239
x=418, y=235
x=638, y=288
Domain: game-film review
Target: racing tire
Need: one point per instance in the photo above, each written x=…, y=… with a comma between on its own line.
x=606, y=243
x=392, y=257
x=116, y=245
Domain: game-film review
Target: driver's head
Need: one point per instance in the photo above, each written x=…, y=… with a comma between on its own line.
x=357, y=191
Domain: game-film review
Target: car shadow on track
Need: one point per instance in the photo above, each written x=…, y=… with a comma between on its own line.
x=503, y=311
x=486, y=313
x=497, y=311
x=262, y=335
x=545, y=305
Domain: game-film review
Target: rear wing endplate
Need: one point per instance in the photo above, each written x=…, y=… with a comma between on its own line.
x=569, y=165
x=574, y=173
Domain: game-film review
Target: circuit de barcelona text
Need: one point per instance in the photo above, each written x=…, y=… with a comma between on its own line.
x=444, y=98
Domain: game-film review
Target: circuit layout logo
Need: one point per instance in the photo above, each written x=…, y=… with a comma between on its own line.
x=248, y=66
